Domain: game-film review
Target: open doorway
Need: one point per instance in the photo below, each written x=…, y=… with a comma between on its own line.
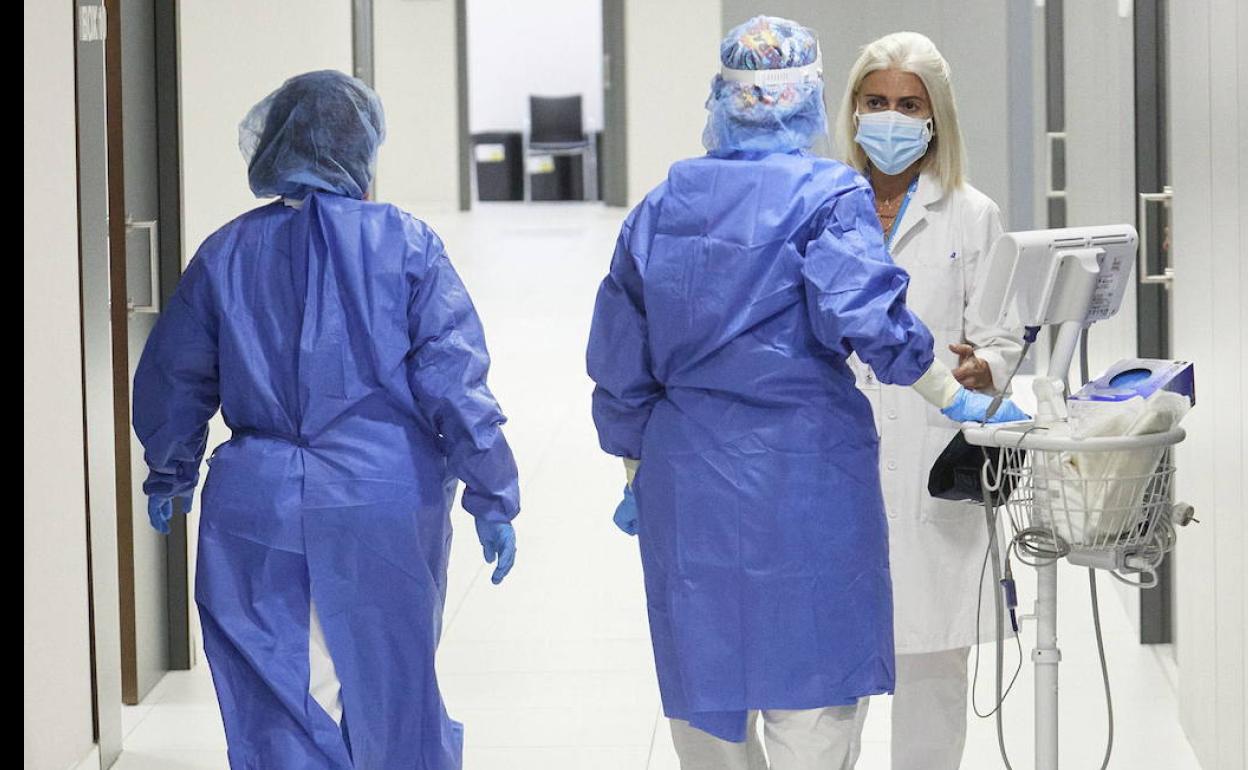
x=535, y=100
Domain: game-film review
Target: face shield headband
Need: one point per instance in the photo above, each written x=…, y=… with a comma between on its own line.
x=777, y=77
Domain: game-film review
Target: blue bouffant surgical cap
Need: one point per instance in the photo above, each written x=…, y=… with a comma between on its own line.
x=319, y=131
x=769, y=95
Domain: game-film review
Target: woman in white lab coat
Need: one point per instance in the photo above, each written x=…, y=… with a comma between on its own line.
x=898, y=126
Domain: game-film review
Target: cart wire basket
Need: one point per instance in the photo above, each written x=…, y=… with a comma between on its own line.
x=1103, y=502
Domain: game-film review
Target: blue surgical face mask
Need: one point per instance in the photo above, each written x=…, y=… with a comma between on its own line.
x=891, y=140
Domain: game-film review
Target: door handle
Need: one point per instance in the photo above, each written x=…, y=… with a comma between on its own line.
x=153, y=256
x=1166, y=276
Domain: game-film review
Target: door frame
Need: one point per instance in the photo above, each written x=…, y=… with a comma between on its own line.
x=169, y=181
x=119, y=318
x=97, y=378
x=1153, y=300
x=614, y=163
x=362, y=60
x=461, y=106
x=170, y=258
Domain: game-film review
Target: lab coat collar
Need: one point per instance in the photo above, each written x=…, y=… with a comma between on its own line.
x=927, y=194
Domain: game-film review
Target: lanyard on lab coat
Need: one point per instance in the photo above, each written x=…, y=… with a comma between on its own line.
x=901, y=214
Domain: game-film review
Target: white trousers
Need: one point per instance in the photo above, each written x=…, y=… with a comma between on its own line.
x=929, y=710
x=323, y=684
x=813, y=739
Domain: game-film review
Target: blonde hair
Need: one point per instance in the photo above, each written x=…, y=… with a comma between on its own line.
x=916, y=54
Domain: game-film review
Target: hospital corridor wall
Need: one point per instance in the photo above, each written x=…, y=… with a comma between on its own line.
x=1209, y=130
x=230, y=58
x=666, y=89
x=416, y=49
x=56, y=647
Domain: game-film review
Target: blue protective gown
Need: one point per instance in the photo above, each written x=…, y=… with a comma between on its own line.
x=348, y=361
x=738, y=288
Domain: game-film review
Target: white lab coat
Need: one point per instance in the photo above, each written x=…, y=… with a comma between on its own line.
x=936, y=547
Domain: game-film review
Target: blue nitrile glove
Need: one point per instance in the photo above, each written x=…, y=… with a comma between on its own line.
x=160, y=511
x=969, y=406
x=626, y=513
x=498, y=540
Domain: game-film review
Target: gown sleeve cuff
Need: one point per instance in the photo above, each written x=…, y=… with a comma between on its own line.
x=630, y=469
x=496, y=516
x=937, y=385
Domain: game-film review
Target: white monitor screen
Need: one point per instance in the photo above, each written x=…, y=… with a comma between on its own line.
x=1042, y=277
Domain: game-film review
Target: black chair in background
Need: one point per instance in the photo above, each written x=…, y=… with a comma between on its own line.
x=556, y=129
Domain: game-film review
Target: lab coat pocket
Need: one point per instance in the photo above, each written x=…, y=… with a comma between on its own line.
x=950, y=512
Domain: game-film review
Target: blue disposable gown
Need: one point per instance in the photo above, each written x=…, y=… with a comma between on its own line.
x=348, y=361
x=738, y=288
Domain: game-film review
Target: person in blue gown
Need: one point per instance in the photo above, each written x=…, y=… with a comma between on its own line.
x=738, y=288
x=348, y=361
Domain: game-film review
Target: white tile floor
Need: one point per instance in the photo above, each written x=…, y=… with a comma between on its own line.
x=552, y=669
